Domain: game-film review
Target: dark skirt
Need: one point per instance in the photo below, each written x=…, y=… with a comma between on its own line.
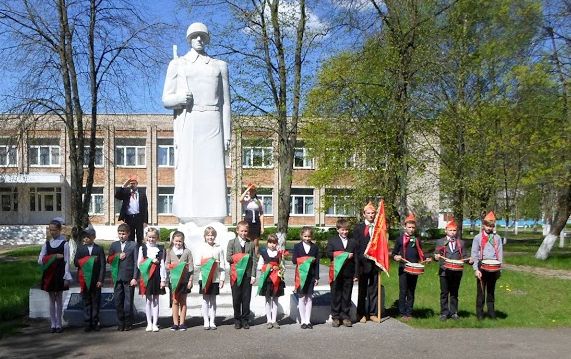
x=154, y=284
x=213, y=290
x=254, y=230
x=268, y=289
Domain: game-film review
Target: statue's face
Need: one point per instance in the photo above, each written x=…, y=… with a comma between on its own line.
x=197, y=42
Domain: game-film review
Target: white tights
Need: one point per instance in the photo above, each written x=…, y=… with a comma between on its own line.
x=304, y=306
x=56, y=309
x=152, y=309
x=271, y=309
x=209, y=309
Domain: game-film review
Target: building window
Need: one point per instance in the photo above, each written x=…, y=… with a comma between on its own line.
x=8, y=199
x=302, y=201
x=257, y=154
x=96, y=203
x=301, y=158
x=166, y=155
x=45, y=199
x=130, y=156
x=265, y=196
x=339, y=202
x=44, y=155
x=165, y=200
x=98, y=156
x=8, y=155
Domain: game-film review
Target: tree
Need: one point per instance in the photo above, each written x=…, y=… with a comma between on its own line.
x=73, y=56
x=270, y=39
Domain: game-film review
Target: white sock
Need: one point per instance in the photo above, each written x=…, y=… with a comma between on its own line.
x=205, y=300
x=212, y=309
x=269, y=310
x=301, y=309
x=59, y=308
x=308, y=306
x=155, y=309
x=148, y=310
x=52, y=299
x=274, y=309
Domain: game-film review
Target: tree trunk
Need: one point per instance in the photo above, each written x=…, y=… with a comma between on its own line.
x=562, y=213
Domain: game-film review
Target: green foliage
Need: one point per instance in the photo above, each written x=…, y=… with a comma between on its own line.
x=164, y=234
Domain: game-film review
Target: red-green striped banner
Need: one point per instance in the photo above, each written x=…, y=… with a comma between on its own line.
x=208, y=268
x=49, y=269
x=113, y=260
x=339, y=258
x=266, y=270
x=238, y=267
x=177, y=272
x=301, y=271
x=147, y=268
x=86, y=271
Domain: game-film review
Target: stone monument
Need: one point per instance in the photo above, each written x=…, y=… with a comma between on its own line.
x=197, y=89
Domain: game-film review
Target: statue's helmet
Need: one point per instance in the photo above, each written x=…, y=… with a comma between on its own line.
x=198, y=28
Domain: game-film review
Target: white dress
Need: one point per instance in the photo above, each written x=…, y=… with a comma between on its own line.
x=201, y=130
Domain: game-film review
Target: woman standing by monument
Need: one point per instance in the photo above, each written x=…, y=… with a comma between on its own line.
x=196, y=88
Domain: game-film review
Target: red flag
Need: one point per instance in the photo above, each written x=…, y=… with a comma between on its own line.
x=378, y=247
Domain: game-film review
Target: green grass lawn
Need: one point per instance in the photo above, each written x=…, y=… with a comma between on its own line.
x=522, y=300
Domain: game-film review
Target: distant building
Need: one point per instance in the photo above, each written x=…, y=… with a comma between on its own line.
x=35, y=172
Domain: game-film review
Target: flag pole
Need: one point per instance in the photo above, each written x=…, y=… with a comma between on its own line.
x=379, y=298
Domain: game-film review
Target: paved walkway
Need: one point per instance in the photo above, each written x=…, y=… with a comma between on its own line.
x=391, y=339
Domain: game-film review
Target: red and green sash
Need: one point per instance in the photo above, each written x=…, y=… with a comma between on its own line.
x=147, y=268
x=86, y=271
x=302, y=270
x=273, y=275
x=177, y=272
x=238, y=267
x=113, y=260
x=49, y=269
x=208, y=268
x=339, y=259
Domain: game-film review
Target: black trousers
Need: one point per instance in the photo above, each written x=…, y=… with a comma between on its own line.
x=449, y=285
x=407, y=287
x=341, y=289
x=91, y=304
x=241, y=295
x=124, y=295
x=135, y=222
x=485, y=292
x=367, y=295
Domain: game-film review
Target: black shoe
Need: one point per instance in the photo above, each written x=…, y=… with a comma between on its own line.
x=246, y=325
x=237, y=325
x=59, y=330
x=304, y=326
x=120, y=328
x=492, y=315
x=335, y=323
x=52, y=330
x=128, y=327
x=309, y=326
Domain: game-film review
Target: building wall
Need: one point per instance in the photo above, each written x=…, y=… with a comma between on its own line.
x=151, y=131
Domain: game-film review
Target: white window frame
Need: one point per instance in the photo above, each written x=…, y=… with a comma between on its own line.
x=39, y=199
x=335, y=198
x=11, y=195
x=11, y=152
x=308, y=163
x=169, y=149
x=267, y=154
x=94, y=197
x=304, y=198
x=51, y=149
x=169, y=197
x=86, y=155
x=123, y=162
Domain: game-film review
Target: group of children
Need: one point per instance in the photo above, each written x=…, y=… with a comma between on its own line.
x=153, y=269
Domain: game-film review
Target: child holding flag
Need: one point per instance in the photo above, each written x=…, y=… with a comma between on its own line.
x=180, y=269
x=211, y=276
x=341, y=250
x=271, y=284
x=240, y=254
x=122, y=258
x=90, y=261
x=54, y=259
x=153, y=276
x=408, y=249
x=305, y=256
